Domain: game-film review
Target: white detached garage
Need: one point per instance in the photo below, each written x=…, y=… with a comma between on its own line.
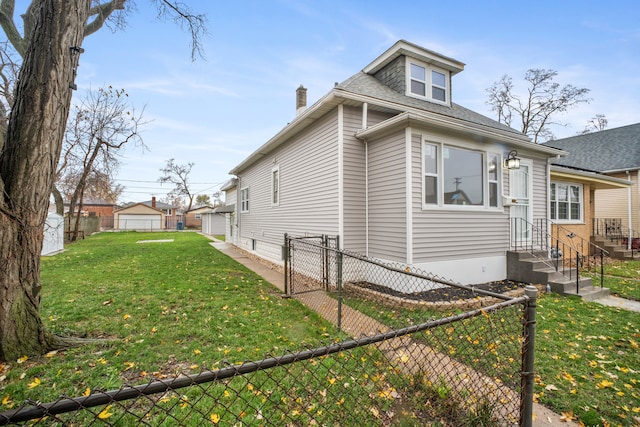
x=139, y=217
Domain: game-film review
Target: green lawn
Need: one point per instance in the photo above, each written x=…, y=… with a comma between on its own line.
x=181, y=306
x=170, y=307
x=623, y=278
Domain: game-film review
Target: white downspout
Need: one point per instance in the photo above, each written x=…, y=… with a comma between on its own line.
x=341, y=175
x=408, y=196
x=365, y=113
x=629, y=213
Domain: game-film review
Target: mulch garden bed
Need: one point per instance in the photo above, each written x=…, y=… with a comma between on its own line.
x=447, y=293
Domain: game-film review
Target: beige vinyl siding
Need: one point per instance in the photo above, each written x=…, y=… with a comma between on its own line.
x=441, y=234
x=613, y=203
x=387, y=207
x=308, y=169
x=354, y=183
x=354, y=237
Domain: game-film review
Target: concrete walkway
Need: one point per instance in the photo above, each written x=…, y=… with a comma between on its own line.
x=542, y=415
x=622, y=303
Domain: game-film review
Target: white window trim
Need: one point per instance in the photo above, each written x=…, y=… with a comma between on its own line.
x=275, y=186
x=428, y=82
x=440, y=205
x=581, y=210
x=244, y=202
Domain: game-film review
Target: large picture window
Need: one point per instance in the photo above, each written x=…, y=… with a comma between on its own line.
x=460, y=177
x=566, y=202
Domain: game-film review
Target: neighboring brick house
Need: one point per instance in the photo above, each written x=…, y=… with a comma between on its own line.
x=612, y=153
x=98, y=208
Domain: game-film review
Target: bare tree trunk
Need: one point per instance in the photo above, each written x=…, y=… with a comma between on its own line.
x=27, y=167
x=59, y=201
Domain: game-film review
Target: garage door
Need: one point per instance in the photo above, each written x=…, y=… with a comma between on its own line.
x=139, y=222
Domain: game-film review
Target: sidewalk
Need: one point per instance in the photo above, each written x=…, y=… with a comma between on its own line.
x=543, y=417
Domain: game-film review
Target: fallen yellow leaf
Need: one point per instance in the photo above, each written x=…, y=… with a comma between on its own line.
x=215, y=418
x=35, y=383
x=104, y=414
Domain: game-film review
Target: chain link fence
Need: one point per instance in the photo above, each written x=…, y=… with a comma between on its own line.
x=410, y=360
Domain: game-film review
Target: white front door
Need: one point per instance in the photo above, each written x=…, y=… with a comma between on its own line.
x=520, y=182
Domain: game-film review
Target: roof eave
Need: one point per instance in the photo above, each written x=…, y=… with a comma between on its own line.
x=410, y=118
x=600, y=181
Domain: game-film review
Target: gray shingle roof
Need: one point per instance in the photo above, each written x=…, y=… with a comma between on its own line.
x=365, y=84
x=605, y=151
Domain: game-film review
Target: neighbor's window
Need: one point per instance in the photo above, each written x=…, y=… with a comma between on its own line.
x=566, y=202
x=275, y=186
x=427, y=82
x=458, y=176
x=198, y=216
x=244, y=200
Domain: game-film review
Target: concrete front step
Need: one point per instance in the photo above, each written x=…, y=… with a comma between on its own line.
x=615, y=251
x=568, y=286
x=525, y=267
x=590, y=293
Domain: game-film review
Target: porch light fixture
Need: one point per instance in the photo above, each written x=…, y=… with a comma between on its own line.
x=512, y=162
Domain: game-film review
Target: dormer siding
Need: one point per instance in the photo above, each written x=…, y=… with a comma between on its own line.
x=394, y=74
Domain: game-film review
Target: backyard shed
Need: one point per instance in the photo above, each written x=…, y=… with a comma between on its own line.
x=213, y=222
x=53, y=234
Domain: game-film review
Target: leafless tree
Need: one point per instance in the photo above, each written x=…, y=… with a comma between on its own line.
x=534, y=112
x=99, y=127
x=50, y=46
x=596, y=124
x=178, y=175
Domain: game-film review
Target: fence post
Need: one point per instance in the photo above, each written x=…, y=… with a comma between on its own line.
x=286, y=264
x=339, y=265
x=528, y=347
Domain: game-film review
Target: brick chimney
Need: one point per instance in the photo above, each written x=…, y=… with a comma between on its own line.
x=301, y=100
x=153, y=201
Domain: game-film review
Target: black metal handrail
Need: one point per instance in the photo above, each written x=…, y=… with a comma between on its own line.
x=591, y=254
x=613, y=230
x=565, y=256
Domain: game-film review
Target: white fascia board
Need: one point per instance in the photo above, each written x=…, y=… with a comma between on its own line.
x=402, y=47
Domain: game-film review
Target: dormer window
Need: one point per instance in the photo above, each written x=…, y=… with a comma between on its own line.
x=427, y=82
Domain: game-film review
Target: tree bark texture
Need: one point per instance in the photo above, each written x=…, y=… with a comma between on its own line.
x=28, y=163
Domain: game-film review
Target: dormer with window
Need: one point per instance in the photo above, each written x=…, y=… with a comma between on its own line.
x=416, y=72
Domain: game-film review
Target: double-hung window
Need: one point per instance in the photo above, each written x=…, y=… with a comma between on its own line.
x=425, y=81
x=455, y=176
x=566, y=202
x=244, y=200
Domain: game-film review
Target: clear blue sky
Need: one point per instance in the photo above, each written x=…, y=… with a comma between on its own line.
x=216, y=111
